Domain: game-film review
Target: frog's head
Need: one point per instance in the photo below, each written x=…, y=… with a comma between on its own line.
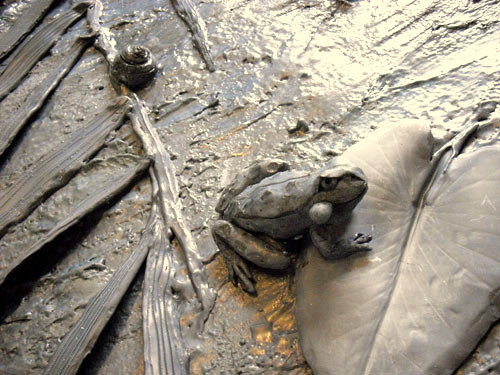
x=339, y=189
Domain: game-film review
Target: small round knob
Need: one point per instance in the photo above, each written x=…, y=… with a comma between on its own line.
x=321, y=212
x=135, y=67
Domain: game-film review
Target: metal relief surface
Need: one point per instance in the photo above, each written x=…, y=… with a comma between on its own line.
x=18, y=30
x=340, y=70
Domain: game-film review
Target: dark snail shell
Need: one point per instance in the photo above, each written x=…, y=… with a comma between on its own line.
x=135, y=67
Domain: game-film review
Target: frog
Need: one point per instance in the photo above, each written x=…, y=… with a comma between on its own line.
x=268, y=203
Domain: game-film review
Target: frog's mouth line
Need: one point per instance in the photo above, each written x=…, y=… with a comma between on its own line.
x=360, y=195
x=350, y=204
x=329, y=196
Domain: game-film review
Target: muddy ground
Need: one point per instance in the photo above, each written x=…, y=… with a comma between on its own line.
x=342, y=70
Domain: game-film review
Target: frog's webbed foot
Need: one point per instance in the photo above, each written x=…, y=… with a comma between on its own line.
x=251, y=175
x=341, y=248
x=237, y=268
x=237, y=245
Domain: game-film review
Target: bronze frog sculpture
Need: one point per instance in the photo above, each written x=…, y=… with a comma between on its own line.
x=267, y=202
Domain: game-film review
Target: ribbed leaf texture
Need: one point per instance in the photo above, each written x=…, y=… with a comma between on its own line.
x=420, y=301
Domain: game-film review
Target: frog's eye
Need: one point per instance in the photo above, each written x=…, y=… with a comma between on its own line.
x=327, y=183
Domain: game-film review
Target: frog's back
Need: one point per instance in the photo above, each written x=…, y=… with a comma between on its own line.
x=273, y=197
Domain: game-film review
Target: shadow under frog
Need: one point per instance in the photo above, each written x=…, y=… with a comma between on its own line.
x=267, y=202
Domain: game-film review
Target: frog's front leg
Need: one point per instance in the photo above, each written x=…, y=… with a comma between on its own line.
x=237, y=244
x=321, y=237
x=251, y=175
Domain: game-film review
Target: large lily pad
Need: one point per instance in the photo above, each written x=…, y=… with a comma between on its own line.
x=429, y=290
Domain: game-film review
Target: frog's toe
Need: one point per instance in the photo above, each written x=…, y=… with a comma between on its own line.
x=237, y=269
x=341, y=248
x=246, y=283
x=239, y=273
x=361, y=238
x=359, y=243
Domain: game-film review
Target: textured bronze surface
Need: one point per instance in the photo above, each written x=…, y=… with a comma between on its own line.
x=342, y=68
x=191, y=16
x=58, y=166
x=23, y=26
x=28, y=54
x=86, y=191
x=11, y=125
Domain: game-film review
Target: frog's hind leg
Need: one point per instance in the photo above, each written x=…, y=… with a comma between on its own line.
x=340, y=248
x=251, y=175
x=237, y=245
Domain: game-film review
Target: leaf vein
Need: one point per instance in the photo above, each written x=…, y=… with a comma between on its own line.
x=441, y=249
